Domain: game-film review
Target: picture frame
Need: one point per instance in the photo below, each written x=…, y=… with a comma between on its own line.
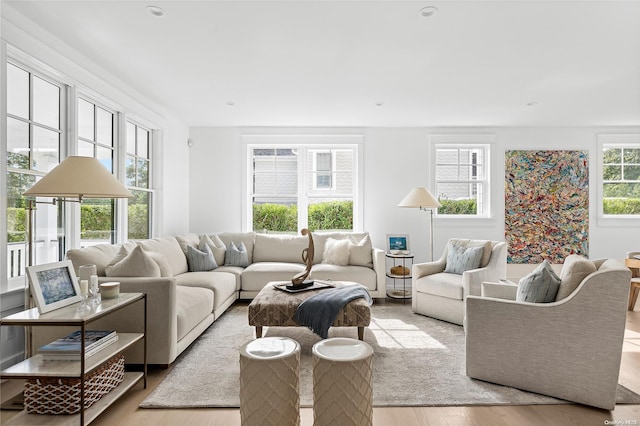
x=398, y=244
x=53, y=285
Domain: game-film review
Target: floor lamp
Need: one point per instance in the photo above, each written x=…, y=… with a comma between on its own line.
x=72, y=180
x=421, y=198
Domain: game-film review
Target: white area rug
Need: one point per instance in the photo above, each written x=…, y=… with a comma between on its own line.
x=418, y=361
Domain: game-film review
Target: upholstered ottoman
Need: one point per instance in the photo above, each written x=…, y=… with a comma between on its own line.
x=269, y=375
x=276, y=308
x=342, y=382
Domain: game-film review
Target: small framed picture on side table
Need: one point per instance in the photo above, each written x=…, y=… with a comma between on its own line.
x=398, y=244
x=53, y=285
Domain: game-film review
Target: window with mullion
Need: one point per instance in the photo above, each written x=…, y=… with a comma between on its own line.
x=318, y=193
x=137, y=175
x=34, y=135
x=461, y=178
x=96, y=139
x=621, y=179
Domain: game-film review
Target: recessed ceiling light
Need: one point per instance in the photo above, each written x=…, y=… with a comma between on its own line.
x=532, y=103
x=429, y=11
x=155, y=11
x=231, y=104
x=379, y=104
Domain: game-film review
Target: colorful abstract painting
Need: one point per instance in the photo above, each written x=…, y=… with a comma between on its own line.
x=546, y=205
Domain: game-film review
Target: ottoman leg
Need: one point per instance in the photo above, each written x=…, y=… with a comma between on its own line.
x=360, y=333
x=258, y=331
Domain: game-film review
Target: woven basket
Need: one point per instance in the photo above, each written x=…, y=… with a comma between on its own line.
x=399, y=270
x=62, y=396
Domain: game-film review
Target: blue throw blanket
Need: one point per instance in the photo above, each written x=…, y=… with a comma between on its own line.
x=319, y=312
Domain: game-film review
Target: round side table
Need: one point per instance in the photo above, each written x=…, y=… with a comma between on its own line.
x=342, y=382
x=269, y=376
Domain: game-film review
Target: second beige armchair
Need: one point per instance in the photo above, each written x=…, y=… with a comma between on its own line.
x=439, y=288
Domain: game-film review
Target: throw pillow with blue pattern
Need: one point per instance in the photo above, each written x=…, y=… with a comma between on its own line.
x=460, y=259
x=236, y=255
x=200, y=259
x=540, y=286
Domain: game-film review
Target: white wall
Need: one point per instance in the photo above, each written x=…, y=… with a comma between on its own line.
x=396, y=160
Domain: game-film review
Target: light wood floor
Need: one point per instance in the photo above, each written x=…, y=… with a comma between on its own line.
x=126, y=411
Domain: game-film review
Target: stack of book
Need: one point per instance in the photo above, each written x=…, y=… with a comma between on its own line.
x=68, y=348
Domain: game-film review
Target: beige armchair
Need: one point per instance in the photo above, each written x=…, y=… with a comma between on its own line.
x=441, y=295
x=569, y=349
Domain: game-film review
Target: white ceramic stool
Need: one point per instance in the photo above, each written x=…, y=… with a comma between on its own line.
x=269, y=371
x=342, y=382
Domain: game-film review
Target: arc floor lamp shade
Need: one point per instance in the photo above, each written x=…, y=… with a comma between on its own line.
x=421, y=198
x=81, y=177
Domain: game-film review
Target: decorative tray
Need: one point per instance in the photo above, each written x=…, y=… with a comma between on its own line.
x=316, y=286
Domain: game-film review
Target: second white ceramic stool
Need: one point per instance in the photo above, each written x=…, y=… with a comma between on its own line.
x=342, y=382
x=269, y=376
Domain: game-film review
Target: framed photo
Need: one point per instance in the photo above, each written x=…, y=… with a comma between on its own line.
x=398, y=243
x=53, y=285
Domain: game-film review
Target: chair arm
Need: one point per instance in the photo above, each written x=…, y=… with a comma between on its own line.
x=500, y=290
x=428, y=268
x=472, y=280
x=379, y=268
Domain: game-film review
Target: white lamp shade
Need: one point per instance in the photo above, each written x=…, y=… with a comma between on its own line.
x=79, y=177
x=420, y=197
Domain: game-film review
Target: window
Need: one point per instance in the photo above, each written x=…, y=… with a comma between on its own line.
x=138, y=165
x=34, y=135
x=323, y=167
x=461, y=174
x=302, y=185
x=620, y=170
x=96, y=139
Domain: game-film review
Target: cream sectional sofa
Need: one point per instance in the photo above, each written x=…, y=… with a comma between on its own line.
x=182, y=304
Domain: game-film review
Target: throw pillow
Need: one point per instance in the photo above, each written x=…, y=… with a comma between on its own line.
x=216, y=245
x=137, y=263
x=336, y=252
x=200, y=259
x=360, y=252
x=574, y=270
x=236, y=255
x=460, y=259
x=540, y=286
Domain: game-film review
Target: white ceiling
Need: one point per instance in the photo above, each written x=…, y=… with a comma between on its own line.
x=329, y=63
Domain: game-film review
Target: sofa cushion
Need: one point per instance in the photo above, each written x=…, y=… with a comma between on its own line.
x=236, y=255
x=218, y=248
x=460, y=259
x=99, y=255
x=360, y=251
x=486, y=245
x=137, y=263
x=200, y=259
x=575, y=269
x=247, y=238
x=442, y=284
x=539, y=286
x=223, y=284
x=186, y=240
x=359, y=274
x=193, y=304
x=170, y=249
x=256, y=275
x=320, y=238
x=279, y=248
x=236, y=271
